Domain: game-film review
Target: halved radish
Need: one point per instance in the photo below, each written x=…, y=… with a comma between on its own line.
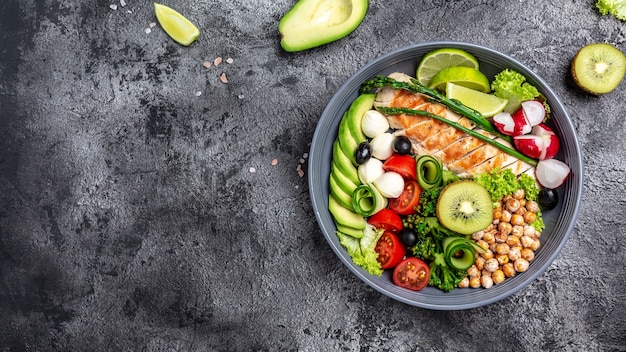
x=512, y=125
x=551, y=141
x=551, y=173
x=535, y=111
x=530, y=145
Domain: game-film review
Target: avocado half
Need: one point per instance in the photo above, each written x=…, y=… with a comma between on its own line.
x=311, y=23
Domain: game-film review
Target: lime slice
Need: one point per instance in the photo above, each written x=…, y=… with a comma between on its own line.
x=465, y=76
x=437, y=60
x=176, y=25
x=487, y=104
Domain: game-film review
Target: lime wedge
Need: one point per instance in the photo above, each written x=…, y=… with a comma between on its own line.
x=176, y=25
x=487, y=104
x=437, y=60
x=465, y=76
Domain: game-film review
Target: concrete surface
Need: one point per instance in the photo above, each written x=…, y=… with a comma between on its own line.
x=141, y=211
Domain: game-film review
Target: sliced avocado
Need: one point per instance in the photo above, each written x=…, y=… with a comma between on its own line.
x=344, y=198
x=357, y=110
x=347, y=142
x=345, y=216
x=356, y=233
x=342, y=180
x=311, y=23
x=344, y=164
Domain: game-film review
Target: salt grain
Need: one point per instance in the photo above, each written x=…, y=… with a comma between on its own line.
x=198, y=93
x=299, y=169
x=123, y=3
x=148, y=30
x=152, y=24
x=230, y=60
x=252, y=169
x=113, y=7
x=217, y=61
x=223, y=78
x=206, y=64
x=274, y=162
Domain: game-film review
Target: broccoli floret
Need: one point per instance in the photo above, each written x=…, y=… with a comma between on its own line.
x=512, y=85
x=442, y=276
x=428, y=202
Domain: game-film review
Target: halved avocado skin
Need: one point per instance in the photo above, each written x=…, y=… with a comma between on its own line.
x=298, y=34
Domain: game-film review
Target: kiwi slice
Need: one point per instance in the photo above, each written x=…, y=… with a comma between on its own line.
x=465, y=207
x=598, y=68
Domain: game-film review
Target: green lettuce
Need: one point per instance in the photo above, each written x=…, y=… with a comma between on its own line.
x=362, y=250
x=616, y=8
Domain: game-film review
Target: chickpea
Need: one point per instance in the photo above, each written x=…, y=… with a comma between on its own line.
x=529, y=231
x=508, y=269
x=485, y=273
x=527, y=254
x=512, y=240
x=521, y=211
x=497, y=213
x=480, y=263
x=535, y=245
x=464, y=283
x=512, y=205
x=514, y=253
x=483, y=244
x=497, y=276
x=474, y=282
x=518, y=231
x=488, y=237
x=502, y=248
x=487, y=255
x=522, y=203
x=491, y=265
x=517, y=220
x=505, y=217
x=476, y=236
x=486, y=281
x=531, y=205
x=530, y=217
x=526, y=241
x=519, y=194
x=492, y=247
x=501, y=237
x=521, y=265
x=505, y=228
x=473, y=271
x=502, y=258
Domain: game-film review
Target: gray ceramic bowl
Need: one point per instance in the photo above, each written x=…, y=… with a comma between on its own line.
x=559, y=221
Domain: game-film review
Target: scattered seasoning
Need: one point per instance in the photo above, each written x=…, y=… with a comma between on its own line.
x=152, y=24
x=198, y=93
x=252, y=169
x=223, y=78
x=274, y=162
x=230, y=60
x=299, y=170
x=122, y=3
x=113, y=7
x=206, y=64
x=217, y=61
x=148, y=30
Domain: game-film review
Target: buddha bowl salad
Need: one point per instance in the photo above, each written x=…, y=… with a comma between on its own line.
x=442, y=179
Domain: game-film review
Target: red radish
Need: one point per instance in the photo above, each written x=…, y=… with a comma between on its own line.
x=512, y=125
x=534, y=111
x=530, y=145
x=542, y=143
x=551, y=141
x=551, y=173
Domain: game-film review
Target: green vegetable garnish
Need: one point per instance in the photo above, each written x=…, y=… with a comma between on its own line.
x=362, y=251
x=512, y=85
x=616, y=8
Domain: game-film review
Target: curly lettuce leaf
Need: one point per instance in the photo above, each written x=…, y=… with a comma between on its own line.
x=616, y=8
x=362, y=251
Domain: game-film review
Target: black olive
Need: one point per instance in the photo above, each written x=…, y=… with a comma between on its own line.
x=408, y=237
x=548, y=198
x=363, y=153
x=402, y=145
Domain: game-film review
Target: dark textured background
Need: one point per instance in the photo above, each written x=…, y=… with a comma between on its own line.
x=130, y=219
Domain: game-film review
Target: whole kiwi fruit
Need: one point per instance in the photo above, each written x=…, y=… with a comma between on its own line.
x=465, y=207
x=598, y=68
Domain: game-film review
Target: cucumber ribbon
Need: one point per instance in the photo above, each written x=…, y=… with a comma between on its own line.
x=367, y=200
x=460, y=252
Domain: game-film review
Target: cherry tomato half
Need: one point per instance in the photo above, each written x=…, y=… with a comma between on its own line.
x=386, y=219
x=390, y=250
x=405, y=165
x=411, y=273
x=407, y=201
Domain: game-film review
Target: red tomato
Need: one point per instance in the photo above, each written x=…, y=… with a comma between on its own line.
x=405, y=165
x=407, y=201
x=411, y=273
x=390, y=250
x=386, y=219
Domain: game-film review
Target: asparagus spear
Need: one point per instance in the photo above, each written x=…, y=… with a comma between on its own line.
x=471, y=132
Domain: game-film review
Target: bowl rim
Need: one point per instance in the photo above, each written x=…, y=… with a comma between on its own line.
x=397, y=55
